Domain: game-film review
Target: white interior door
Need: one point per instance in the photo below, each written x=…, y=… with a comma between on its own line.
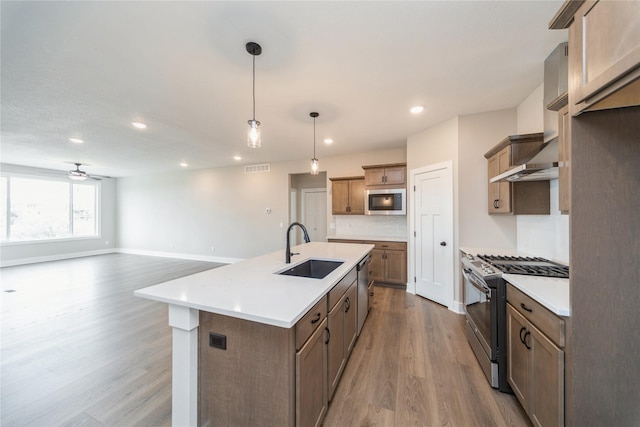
x=314, y=213
x=433, y=226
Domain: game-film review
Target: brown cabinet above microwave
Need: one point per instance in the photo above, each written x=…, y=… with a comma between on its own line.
x=380, y=176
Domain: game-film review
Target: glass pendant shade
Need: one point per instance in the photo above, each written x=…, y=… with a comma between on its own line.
x=315, y=166
x=253, y=136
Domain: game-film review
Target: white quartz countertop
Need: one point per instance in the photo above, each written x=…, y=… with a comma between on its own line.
x=550, y=292
x=252, y=289
x=371, y=238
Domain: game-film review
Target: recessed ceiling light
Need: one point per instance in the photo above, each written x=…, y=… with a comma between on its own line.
x=139, y=125
x=417, y=109
x=328, y=141
x=76, y=140
x=237, y=158
x=184, y=165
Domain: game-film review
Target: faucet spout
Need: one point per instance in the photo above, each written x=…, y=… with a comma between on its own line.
x=288, y=253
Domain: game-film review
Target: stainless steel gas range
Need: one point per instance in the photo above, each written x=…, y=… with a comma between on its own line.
x=485, y=303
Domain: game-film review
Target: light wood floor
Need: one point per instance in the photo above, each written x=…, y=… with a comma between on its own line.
x=78, y=349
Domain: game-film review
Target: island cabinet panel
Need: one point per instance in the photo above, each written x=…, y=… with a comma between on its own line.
x=311, y=379
x=342, y=325
x=252, y=381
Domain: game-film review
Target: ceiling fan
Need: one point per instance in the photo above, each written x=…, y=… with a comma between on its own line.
x=80, y=175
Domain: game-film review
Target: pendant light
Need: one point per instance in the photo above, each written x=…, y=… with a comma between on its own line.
x=253, y=137
x=314, y=162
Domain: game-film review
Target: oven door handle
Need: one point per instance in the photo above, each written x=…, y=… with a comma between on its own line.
x=476, y=282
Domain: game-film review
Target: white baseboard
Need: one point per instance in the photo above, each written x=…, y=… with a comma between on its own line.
x=193, y=257
x=457, y=307
x=56, y=257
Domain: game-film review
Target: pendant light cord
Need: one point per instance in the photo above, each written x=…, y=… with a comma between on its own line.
x=254, y=87
x=314, y=137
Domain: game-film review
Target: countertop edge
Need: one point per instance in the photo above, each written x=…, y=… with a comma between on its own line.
x=534, y=287
x=193, y=291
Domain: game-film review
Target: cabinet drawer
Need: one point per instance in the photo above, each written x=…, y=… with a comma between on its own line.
x=344, y=240
x=310, y=321
x=338, y=290
x=391, y=246
x=546, y=321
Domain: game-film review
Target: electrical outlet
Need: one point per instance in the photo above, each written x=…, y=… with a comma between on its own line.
x=213, y=248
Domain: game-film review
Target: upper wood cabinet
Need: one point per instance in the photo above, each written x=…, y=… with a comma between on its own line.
x=564, y=159
x=499, y=192
x=384, y=175
x=516, y=198
x=604, y=53
x=347, y=196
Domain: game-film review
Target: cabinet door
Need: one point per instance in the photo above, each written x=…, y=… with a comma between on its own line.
x=494, y=187
x=395, y=175
x=339, y=197
x=396, y=266
x=564, y=159
x=356, y=197
x=335, y=349
x=518, y=366
x=350, y=319
x=311, y=380
x=547, y=385
x=376, y=267
x=374, y=176
x=604, y=53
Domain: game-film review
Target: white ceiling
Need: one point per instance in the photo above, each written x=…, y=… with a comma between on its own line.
x=88, y=69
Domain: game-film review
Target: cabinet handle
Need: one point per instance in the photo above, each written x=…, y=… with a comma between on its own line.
x=523, y=329
x=496, y=203
x=317, y=319
x=525, y=340
x=328, y=335
x=525, y=308
x=347, y=304
x=443, y=243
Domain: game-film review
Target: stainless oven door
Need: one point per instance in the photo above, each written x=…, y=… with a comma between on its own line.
x=479, y=306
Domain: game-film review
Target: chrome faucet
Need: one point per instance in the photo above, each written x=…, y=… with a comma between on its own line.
x=288, y=252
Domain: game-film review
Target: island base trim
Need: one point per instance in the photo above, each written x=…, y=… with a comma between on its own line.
x=184, y=387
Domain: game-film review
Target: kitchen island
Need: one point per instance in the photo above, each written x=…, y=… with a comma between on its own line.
x=247, y=296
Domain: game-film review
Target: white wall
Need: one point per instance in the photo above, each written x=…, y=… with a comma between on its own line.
x=478, y=133
x=20, y=253
x=220, y=213
x=542, y=235
x=464, y=140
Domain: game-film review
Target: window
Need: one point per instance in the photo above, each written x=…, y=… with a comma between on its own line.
x=41, y=209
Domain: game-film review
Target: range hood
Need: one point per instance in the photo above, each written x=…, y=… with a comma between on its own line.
x=529, y=172
x=532, y=157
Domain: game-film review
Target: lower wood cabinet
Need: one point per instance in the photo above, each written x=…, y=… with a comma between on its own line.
x=342, y=326
x=388, y=261
x=311, y=379
x=535, y=364
x=253, y=374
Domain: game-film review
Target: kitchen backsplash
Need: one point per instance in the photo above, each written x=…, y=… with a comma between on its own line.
x=365, y=225
x=545, y=235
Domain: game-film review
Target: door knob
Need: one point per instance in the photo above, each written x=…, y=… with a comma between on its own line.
x=443, y=243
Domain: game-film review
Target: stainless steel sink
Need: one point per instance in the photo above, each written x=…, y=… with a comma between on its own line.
x=312, y=268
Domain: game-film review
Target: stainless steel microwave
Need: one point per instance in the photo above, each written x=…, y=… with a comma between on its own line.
x=392, y=201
